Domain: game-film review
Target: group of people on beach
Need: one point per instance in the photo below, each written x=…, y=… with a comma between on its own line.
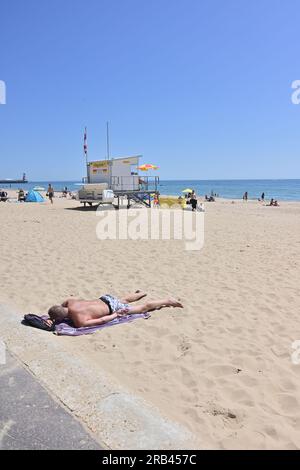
x=21, y=195
x=50, y=193
x=273, y=202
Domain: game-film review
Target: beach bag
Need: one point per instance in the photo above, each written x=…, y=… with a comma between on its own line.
x=37, y=322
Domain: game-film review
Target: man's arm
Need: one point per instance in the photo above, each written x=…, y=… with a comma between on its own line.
x=99, y=321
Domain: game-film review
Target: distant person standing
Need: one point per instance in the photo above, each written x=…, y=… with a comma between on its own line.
x=194, y=202
x=21, y=195
x=245, y=197
x=50, y=193
x=263, y=197
x=155, y=200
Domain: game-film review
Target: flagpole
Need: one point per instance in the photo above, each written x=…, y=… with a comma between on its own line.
x=85, y=151
x=107, y=140
x=85, y=146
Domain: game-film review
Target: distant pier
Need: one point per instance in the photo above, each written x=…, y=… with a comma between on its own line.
x=11, y=181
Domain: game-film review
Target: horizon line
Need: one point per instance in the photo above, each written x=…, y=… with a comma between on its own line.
x=179, y=179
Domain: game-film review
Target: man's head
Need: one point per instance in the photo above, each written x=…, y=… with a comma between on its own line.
x=57, y=313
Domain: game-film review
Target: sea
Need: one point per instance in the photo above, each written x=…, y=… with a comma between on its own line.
x=284, y=190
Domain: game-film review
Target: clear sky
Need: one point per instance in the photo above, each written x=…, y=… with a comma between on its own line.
x=200, y=87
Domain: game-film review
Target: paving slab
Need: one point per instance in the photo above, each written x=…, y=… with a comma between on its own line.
x=30, y=419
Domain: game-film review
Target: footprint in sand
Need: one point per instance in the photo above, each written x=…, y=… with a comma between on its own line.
x=184, y=347
x=222, y=412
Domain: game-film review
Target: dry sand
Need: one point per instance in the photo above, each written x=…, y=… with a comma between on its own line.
x=222, y=365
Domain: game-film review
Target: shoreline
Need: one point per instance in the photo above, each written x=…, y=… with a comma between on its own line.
x=280, y=189
x=13, y=195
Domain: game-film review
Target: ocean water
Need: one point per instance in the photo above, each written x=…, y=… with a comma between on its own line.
x=284, y=190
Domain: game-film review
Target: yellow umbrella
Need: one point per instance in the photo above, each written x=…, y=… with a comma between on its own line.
x=188, y=190
x=147, y=166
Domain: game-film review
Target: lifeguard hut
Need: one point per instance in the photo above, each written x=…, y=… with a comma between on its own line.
x=119, y=173
x=122, y=176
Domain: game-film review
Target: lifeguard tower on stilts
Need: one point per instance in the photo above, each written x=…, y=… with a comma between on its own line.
x=121, y=175
x=116, y=178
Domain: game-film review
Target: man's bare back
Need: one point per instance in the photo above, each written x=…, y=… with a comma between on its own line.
x=81, y=311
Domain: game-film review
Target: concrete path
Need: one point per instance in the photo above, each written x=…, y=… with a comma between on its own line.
x=31, y=419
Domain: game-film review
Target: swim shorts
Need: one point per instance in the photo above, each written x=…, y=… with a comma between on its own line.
x=114, y=304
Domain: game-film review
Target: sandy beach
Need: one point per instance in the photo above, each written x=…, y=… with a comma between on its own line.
x=221, y=366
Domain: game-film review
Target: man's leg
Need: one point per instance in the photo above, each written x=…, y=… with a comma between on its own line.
x=155, y=305
x=127, y=299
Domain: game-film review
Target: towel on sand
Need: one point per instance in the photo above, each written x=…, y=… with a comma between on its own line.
x=68, y=329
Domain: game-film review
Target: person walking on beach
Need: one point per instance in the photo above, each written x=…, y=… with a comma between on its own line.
x=106, y=308
x=50, y=193
x=263, y=197
x=245, y=197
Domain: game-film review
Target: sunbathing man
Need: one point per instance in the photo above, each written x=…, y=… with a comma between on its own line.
x=107, y=308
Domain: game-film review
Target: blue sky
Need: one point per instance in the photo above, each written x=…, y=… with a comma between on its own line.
x=201, y=88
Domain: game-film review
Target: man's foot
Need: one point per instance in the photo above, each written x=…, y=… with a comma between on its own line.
x=174, y=303
x=141, y=294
